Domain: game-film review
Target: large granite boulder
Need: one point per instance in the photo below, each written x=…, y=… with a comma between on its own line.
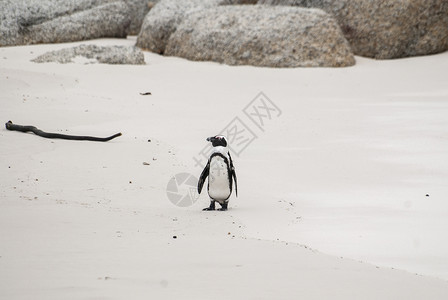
x=138, y=11
x=163, y=20
x=262, y=36
x=56, y=21
x=230, y=2
x=116, y=55
x=388, y=28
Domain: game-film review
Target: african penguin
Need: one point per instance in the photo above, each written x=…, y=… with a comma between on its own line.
x=220, y=172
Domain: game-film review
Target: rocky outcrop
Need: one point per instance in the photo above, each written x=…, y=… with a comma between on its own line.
x=230, y=2
x=56, y=21
x=138, y=10
x=261, y=36
x=389, y=28
x=163, y=20
x=115, y=55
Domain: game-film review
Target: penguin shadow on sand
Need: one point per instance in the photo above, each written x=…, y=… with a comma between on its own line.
x=221, y=174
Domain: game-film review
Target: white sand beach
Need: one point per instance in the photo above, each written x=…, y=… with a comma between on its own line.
x=342, y=190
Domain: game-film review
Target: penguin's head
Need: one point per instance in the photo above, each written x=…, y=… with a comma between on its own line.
x=218, y=140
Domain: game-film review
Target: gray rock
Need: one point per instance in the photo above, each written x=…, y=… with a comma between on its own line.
x=138, y=10
x=389, y=28
x=93, y=54
x=55, y=21
x=262, y=36
x=231, y=2
x=163, y=20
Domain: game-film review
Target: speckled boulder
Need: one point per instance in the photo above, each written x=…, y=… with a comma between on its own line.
x=163, y=20
x=230, y=2
x=388, y=28
x=115, y=55
x=138, y=11
x=262, y=36
x=56, y=21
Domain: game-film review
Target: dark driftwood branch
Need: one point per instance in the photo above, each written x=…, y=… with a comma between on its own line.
x=11, y=126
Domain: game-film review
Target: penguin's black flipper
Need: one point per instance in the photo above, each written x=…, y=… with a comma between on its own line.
x=203, y=176
x=234, y=179
x=233, y=173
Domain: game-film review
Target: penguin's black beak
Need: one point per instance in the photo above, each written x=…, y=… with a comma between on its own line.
x=210, y=139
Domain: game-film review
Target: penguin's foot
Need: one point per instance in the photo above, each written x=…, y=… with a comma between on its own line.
x=211, y=207
x=223, y=207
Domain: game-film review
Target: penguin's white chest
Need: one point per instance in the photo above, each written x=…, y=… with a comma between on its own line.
x=218, y=179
